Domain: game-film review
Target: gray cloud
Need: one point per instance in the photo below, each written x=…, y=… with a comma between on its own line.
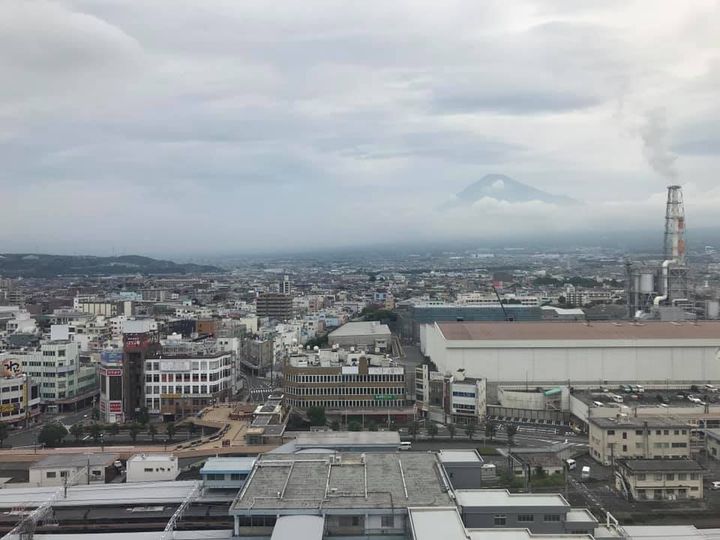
x=202, y=112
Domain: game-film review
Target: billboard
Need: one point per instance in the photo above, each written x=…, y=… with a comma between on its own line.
x=115, y=406
x=10, y=368
x=111, y=357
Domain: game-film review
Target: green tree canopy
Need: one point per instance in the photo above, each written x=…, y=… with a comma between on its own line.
x=52, y=434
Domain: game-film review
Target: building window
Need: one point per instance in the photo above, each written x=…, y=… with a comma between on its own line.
x=551, y=518
x=670, y=476
x=500, y=520
x=387, y=521
x=682, y=476
x=658, y=477
x=51, y=474
x=525, y=518
x=641, y=476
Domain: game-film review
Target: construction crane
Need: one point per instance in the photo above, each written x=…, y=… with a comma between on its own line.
x=508, y=318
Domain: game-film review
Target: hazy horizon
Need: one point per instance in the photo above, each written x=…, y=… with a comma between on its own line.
x=220, y=127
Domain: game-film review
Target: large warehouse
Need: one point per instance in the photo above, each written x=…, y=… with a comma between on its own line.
x=546, y=353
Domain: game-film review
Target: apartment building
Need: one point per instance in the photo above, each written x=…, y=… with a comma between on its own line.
x=650, y=437
x=111, y=386
x=275, y=306
x=63, y=379
x=179, y=384
x=659, y=480
x=345, y=381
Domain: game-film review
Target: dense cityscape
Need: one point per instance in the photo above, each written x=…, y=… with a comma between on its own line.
x=568, y=394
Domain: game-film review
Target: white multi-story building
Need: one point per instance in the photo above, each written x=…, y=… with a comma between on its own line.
x=63, y=380
x=179, y=384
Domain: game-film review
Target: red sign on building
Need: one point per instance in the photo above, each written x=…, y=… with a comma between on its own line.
x=115, y=406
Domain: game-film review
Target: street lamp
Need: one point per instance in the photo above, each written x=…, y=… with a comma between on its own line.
x=102, y=442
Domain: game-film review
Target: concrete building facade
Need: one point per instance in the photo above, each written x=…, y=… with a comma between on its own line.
x=659, y=480
x=650, y=437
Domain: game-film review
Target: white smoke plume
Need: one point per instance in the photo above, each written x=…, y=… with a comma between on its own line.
x=654, y=135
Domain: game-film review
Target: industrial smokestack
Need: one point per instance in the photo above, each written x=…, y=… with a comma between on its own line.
x=675, y=226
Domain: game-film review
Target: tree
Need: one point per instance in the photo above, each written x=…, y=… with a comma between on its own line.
x=77, y=430
x=52, y=434
x=143, y=416
x=451, y=430
x=539, y=472
x=511, y=430
x=133, y=430
x=490, y=429
x=372, y=426
x=317, y=416
x=3, y=433
x=432, y=430
x=470, y=430
x=95, y=431
x=113, y=429
x=152, y=431
x=96, y=414
x=335, y=425
x=354, y=426
x=170, y=429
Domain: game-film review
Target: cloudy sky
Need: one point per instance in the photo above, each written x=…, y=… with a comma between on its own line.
x=172, y=126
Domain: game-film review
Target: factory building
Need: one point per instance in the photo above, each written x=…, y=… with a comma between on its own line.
x=577, y=353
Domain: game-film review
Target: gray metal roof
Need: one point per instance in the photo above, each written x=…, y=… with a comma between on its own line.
x=352, y=482
x=633, y=422
x=228, y=465
x=100, y=494
x=54, y=461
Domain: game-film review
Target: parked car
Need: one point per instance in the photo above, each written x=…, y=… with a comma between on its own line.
x=715, y=485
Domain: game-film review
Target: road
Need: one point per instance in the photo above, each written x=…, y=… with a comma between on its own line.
x=26, y=437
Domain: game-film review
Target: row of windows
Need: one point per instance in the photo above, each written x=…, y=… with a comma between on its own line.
x=343, y=391
x=186, y=377
x=10, y=388
x=669, y=476
x=657, y=432
x=218, y=476
x=500, y=520
x=349, y=403
x=196, y=365
x=188, y=389
x=464, y=394
x=347, y=378
x=462, y=406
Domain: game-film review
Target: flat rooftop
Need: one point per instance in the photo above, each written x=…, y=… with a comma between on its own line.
x=361, y=328
x=520, y=534
x=158, y=458
x=638, y=422
x=572, y=330
x=492, y=498
x=338, y=439
x=281, y=483
x=228, y=465
x=434, y=523
x=460, y=456
x=653, y=465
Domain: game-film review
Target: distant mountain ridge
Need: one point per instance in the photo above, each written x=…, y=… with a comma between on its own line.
x=42, y=265
x=503, y=188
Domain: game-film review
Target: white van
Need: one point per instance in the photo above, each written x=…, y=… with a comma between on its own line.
x=585, y=474
x=405, y=445
x=598, y=403
x=616, y=398
x=571, y=464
